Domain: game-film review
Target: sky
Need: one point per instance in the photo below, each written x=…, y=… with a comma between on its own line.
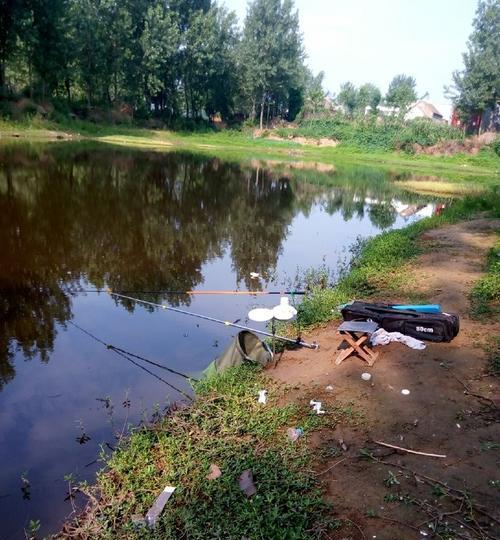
x=373, y=40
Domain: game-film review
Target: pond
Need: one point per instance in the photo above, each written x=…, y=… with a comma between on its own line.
x=76, y=218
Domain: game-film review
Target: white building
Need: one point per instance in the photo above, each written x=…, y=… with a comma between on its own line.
x=424, y=109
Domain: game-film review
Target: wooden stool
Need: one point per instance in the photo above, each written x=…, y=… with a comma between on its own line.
x=355, y=335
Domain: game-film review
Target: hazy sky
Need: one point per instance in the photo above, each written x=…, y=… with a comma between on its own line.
x=373, y=40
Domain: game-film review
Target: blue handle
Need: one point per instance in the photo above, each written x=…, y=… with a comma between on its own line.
x=421, y=308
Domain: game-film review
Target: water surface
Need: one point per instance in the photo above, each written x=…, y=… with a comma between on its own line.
x=79, y=217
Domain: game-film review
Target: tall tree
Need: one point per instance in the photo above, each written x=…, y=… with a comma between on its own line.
x=90, y=48
x=314, y=94
x=10, y=15
x=477, y=86
x=401, y=92
x=47, y=38
x=368, y=96
x=160, y=42
x=348, y=97
x=271, y=54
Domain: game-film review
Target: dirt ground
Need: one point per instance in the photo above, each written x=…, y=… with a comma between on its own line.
x=400, y=495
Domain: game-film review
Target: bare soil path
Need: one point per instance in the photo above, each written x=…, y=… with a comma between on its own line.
x=397, y=501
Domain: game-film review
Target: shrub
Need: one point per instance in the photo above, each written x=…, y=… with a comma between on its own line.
x=389, y=134
x=496, y=146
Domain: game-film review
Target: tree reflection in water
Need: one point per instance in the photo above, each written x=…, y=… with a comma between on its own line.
x=75, y=214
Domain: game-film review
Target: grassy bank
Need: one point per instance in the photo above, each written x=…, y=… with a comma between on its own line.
x=485, y=304
x=485, y=295
x=234, y=144
x=227, y=427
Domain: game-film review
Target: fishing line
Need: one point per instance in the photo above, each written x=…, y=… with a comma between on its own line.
x=297, y=341
x=125, y=354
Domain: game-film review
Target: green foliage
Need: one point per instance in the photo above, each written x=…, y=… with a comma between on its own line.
x=368, y=96
x=314, y=95
x=348, y=97
x=492, y=348
x=225, y=426
x=496, y=146
x=485, y=295
x=391, y=134
x=172, y=60
x=401, y=92
x=477, y=86
x=271, y=54
x=391, y=480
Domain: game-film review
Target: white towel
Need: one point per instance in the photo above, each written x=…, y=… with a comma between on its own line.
x=382, y=337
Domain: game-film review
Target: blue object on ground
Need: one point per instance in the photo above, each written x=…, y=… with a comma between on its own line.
x=421, y=308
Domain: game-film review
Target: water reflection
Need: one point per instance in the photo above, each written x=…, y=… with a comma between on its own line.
x=147, y=221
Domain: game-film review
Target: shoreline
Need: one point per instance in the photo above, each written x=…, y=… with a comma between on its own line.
x=232, y=145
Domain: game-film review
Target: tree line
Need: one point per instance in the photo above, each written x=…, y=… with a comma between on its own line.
x=476, y=87
x=188, y=59
x=171, y=58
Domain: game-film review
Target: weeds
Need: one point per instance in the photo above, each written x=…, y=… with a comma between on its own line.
x=392, y=134
x=225, y=426
x=485, y=295
x=492, y=349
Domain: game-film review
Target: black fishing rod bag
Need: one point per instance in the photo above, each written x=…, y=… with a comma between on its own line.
x=436, y=327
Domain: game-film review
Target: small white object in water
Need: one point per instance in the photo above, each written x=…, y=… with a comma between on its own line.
x=459, y=426
x=329, y=387
x=405, y=392
x=254, y=275
x=366, y=376
x=316, y=405
x=262, y=396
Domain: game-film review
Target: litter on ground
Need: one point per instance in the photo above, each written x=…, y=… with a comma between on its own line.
x=160, y=502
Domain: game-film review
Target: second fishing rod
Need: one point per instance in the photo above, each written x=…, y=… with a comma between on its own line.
x=298, y=342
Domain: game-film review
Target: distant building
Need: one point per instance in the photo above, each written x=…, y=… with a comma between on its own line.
x=424, y=109
x=477, y=122
x=383, y=110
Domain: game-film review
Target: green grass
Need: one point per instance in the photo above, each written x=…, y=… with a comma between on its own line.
x=241, y=145
x=225, y=426
x=485, y=295
x=380, y=264
x=371, y=134
x=492, y=349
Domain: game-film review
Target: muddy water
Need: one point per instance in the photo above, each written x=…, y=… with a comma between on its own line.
x=76, y=218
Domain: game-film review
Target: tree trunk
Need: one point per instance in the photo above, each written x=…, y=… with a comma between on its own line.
x=115, y=84
x=67, y=84
x=30, y=81
x=3, y=90
x=186, y=100
x=261, y=123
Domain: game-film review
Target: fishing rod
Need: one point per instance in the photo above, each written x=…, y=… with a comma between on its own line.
x=297, y=341
x=200, y=293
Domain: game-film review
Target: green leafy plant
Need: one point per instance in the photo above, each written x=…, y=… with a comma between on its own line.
x=391, y=480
